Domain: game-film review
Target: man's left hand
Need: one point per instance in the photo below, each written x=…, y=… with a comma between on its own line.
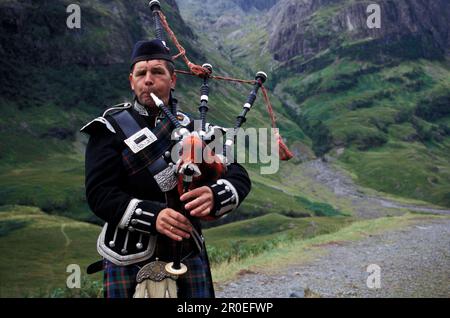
x=201, y=201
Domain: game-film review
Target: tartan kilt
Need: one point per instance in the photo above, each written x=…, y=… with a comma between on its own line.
x=120, y=281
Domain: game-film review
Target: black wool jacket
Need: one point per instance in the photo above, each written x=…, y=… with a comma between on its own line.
x=130, y=204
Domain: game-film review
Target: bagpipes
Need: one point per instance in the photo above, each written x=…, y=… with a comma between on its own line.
x=191, y=173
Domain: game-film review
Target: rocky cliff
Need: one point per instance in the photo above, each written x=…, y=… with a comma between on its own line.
x=305, y=28
x=256, y=4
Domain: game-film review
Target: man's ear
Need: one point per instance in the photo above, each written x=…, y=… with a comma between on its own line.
x=130, y=78
x=174, y=80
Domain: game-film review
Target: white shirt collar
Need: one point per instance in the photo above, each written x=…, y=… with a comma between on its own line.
x=140, y=109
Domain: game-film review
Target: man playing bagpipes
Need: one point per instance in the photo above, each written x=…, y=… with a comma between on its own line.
x=129, y=172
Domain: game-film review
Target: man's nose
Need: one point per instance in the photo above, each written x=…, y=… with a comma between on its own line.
x=148, y=78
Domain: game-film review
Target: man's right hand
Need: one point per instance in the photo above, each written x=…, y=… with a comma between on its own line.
x=173, y=224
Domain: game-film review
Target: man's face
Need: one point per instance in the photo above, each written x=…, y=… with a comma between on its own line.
x=152, y=77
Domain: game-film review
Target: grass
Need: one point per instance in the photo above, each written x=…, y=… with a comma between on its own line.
x=407, y=169
x=56, y=185
x=269, y=196
x=244, y=239
x=9, y=226
x=37, y=248
x=387, y=146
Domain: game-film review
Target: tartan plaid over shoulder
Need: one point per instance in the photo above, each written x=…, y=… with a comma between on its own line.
x=136, y=162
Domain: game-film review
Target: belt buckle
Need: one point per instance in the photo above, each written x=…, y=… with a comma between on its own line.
x=140, y=140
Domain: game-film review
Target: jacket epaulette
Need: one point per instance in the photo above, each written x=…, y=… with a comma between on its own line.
x=89, y=127
x=116, y=108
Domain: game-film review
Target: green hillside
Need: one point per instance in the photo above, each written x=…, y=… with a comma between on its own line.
x=375, y=105
x=376, y=100
x=387, y=124
x=51, y=89
x=36, y=250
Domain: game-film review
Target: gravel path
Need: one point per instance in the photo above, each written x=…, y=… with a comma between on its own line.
x=408, y=268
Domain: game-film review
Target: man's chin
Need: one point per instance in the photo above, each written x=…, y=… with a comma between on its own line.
x=147, y=102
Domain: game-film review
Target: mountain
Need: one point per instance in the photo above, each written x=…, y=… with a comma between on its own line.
x=35, y=33
x=375, y=102
x=378, y=105
x=56, y=79
x=381, y=95
x=255, y=4
x=409, y=29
